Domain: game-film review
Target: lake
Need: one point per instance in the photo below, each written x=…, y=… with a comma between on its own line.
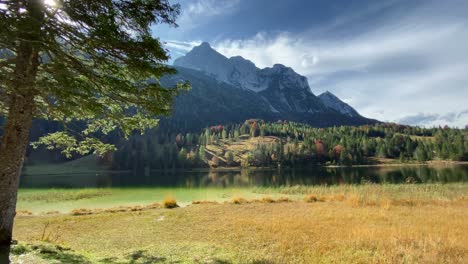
x=252, y=177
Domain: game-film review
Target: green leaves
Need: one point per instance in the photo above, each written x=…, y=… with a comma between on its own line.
x=70, y=145
x=99, y=64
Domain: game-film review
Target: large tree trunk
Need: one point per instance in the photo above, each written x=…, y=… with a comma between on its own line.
x=12, y=150
x=21, y=108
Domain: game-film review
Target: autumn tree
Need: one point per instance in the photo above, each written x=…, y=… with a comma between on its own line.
x=65, y=60
x=254, y=129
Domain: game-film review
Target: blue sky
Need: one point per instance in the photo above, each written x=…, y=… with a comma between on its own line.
x=395, y=60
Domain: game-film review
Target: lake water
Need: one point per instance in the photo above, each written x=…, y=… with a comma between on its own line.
x=252, y=178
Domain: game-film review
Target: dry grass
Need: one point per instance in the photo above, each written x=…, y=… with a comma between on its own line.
x=204, y=202
x=283, y=199
x=82, y=211
x=311, y=198
x=239, y=200
x=374, y=194
x=327, y=232
x=52, y=213
x=353, y=224
x=334, y=198
x=266, y=199
x=384, y=200
x=119, y=209
x=153, y=206
x=23, y=212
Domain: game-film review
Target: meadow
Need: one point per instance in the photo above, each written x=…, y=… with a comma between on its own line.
x=405, y=223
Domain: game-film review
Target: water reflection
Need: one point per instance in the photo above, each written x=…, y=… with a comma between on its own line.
x=250, y=178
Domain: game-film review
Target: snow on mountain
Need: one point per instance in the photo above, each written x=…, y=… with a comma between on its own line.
x=206, y=59
x=237, y=70
x=281, y=87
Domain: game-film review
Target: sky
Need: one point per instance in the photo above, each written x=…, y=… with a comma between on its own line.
x=395, y=60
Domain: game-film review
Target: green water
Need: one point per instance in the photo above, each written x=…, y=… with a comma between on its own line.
x=67, y=191
x=250, y=178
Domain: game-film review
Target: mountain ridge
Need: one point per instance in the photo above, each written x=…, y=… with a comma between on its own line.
x=332, y=101
x=230, y=70
x=212, y=102
x=280, y=86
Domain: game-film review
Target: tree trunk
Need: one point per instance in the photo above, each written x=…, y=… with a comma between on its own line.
x=12, y=150
x=21, y=108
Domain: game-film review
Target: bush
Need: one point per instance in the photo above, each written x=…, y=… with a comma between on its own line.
x=170, y=203
x=19, y=249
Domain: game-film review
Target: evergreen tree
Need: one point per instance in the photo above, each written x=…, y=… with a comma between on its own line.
x=76, y=60
x=229, y=158
x=262, y=131
x=182, y=157
x=420, y=153
x=207, y=136
x=202, y=153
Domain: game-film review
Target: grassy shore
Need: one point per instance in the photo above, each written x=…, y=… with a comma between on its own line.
x=40, y=201
x=340, y=224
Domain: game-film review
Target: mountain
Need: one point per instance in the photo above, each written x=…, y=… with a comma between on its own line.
x=229, y=91
x=280, y=91
x=331, y=101
x=283, y=88
x=211, y=102
x=236, y=70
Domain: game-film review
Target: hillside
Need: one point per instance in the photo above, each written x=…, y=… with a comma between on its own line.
x=281, y=93
x=211, y=101
x=257, y=143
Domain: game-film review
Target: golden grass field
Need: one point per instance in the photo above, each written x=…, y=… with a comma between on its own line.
x=367, y=224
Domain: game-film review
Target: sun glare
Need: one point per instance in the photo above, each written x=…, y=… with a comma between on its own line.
x=51, y=3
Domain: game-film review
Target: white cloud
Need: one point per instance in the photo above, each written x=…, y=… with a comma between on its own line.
x=458, y=119
x=210, y=7
x=181, y=45
x=199, y=12
x=179, y=48
x=404, y=67
x=310, y=57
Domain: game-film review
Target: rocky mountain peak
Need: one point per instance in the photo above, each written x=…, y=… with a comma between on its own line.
x=333, y=102
x=204, y=45
x=280, y=86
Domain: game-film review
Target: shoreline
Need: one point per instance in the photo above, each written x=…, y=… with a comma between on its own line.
x=283, y=219
x=239, y=168
x=428, y=164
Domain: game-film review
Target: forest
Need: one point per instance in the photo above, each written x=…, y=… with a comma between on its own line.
x=256, y=143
